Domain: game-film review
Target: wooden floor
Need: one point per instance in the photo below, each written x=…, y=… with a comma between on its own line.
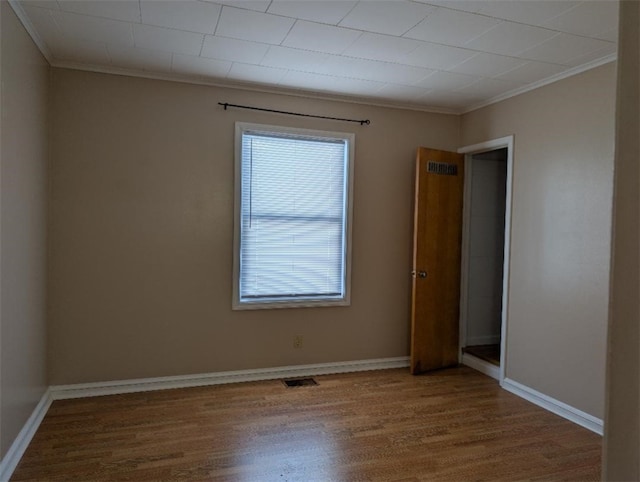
x=489, y=353
x=451, y=425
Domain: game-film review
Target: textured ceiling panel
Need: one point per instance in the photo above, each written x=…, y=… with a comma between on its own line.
x=429, y=54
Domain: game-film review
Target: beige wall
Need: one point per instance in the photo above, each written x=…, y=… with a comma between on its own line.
x=622, y=440
x=142, y=222
x=23, y=191
x=561, y=221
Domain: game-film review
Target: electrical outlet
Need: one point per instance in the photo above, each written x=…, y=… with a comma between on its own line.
x=297, y=341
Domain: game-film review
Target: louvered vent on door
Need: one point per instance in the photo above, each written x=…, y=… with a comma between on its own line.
x=442, y=168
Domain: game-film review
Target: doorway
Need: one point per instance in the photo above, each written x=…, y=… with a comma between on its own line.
x=485, y=256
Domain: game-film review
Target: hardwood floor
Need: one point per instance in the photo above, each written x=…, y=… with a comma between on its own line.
x=489, y=353
x=453, y=424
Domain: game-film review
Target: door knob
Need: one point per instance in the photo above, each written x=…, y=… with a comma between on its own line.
x=422, y=274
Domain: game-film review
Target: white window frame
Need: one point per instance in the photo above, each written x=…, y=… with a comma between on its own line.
x=345, y=300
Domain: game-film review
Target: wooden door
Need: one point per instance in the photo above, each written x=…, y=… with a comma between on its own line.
x=435, y=306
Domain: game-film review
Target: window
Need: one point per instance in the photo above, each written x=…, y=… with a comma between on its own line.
x=292, y=217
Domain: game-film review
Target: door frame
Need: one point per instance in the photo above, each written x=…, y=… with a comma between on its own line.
x=469, y=151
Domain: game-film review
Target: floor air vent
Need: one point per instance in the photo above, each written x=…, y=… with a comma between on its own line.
x=299, y=382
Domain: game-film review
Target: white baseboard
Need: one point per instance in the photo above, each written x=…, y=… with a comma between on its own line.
x=482, y=366
x=483, y=340
x=555, y=406
x=21, y=442
x=60, y=392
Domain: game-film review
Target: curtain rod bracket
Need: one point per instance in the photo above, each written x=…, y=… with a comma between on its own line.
x=361, y=122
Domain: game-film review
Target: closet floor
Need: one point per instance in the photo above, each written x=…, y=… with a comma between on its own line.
x=489, y=353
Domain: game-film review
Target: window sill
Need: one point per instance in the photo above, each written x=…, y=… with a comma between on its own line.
x=270, y=305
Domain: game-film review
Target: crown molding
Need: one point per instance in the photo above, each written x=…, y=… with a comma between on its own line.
x=173, y=77
x=541, y=83
x=24, y=19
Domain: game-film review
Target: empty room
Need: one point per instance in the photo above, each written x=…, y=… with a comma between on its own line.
x=259, y=240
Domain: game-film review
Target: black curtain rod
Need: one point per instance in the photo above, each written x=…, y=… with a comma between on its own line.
x=361, y=122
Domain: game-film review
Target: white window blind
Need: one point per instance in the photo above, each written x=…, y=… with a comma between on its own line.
x=293, y=217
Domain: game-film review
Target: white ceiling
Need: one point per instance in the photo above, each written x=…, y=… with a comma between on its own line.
x=447, y=55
